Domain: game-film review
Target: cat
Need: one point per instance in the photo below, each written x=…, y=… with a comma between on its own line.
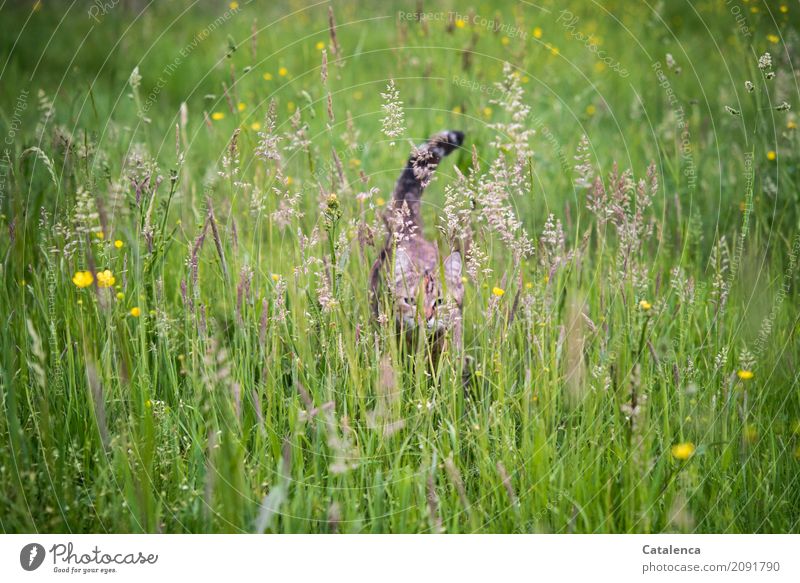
x=422, y=292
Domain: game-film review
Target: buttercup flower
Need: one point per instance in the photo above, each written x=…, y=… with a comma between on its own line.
x=83, y=279
x=771, y=155
x=683, y=451
x=135, y=312
x=217, y=115
x=105, y=278
x=283, y=71
x=118, y=244
x=645, y=305
x=498, y=291
x=745, y=375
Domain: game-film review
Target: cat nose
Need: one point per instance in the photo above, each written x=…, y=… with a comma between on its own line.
x=429, y=312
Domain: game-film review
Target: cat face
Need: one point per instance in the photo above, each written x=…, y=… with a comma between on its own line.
x=419, y=297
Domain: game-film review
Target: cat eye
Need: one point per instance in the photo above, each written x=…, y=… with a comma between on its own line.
x=410, y=301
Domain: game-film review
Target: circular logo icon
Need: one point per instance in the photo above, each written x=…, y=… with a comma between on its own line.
x=31, y=556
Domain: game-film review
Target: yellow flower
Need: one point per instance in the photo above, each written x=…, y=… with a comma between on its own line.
x=773, y=38
x=283, y=71
x=255, y=126
x=120, y=296
x=83, y=279
x=289, y=180
x=241, y=106
x=464, y=279
x=791, y=124
x=529, y=285
x=276, y=278
x=135, y=312
x=100, y=235
x=290, y=105
x=599, y=67
x=771, y=155
x=105, y=278
x=537, y=33
x=379, y=201
x=267, y=76
x=498, y=291
x=554, y=51
x=487, y=111
x=217, y=115
x=784, y=8
x=754, y=9
x=234, y=5
x=745, y=375
x=505, y=41
x=457, y=109
x=645, y=305
x=683, y=451
x=460, y=23
x=591, y=109
x=320, y=45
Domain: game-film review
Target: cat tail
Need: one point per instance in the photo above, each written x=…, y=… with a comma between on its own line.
x=418, y=172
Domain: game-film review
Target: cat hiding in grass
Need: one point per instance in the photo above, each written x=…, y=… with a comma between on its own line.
x=425, y=291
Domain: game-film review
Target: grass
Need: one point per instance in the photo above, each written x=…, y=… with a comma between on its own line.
x=233, y=379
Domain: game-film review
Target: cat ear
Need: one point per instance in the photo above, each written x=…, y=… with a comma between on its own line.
x=452, y=267
x=403, y=266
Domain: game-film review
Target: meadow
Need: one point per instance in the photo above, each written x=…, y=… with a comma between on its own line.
x=193, y=194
